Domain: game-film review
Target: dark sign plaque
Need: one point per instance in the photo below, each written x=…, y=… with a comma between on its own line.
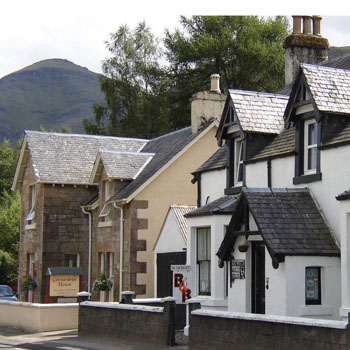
x=237, y=269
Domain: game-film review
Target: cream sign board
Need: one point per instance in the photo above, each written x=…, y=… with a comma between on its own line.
x=64, y=285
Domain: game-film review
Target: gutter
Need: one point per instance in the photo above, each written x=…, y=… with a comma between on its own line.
x=121, y=247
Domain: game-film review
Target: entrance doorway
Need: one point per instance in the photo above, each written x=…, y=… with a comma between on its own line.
x=164, y=273
x=258, y=277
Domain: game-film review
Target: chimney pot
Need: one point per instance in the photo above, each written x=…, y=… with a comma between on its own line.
x=297, y=24
x=307, y=25
x=317, y=25
x=215, y=83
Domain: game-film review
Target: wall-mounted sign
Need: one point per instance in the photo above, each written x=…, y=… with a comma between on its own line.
x=64, y=285
x=237, y=269
x=181, y=289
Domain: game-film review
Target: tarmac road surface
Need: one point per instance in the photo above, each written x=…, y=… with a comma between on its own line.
x=68, y=340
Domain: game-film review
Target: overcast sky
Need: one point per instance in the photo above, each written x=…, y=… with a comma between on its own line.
x=76, y=30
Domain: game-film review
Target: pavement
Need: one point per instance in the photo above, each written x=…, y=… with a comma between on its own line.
x=69, y=340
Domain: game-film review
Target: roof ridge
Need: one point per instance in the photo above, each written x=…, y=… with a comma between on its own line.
x=83, y=135
x=258, y=93
x=319, y=67
x=125, y=152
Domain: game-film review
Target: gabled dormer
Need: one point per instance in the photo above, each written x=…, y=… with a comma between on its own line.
x=249, y=121
x=318, y=106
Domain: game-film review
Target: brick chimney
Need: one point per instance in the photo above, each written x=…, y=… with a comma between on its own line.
x=304, y=45
x=206, y=105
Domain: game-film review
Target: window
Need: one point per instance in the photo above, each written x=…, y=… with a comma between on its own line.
x=106, y=210
x=238, y=162
x=72, y=260
x=235, y=171
x=307, y=160
x=203, y=259
x=31, y=214
x=312, y=285
x=310, y=147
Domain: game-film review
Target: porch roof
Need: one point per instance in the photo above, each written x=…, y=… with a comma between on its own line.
x=287, y=219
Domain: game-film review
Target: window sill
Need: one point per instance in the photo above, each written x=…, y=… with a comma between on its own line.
x=105, y=223
x=233, y=190
x=303, y=179
x=30, y=227
x=315, y=310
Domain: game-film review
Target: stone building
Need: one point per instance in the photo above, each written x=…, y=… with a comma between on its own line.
x=99, y=202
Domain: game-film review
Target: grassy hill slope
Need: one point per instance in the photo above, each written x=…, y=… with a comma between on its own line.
x=51, y=93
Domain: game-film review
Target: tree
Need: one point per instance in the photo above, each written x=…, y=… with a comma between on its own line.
x=8, y=162
x=246, y=51
x=132, y=84
x=10, y=207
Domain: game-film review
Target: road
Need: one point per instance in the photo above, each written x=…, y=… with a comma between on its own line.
x=68, y=340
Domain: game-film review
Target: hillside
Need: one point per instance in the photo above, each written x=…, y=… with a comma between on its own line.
x=52, y=93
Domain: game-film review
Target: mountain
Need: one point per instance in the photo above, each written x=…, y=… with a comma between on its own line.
x=52, y=93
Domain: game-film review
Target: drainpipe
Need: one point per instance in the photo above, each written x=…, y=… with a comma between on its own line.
x=90, y=236
x=121, y=246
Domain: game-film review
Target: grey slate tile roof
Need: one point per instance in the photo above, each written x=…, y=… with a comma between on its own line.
x=330, y=87
x=124, y=165
x=217, y=161
x=290, y=222
x=225, y=205
x=287, y=219
x=69, y=158
x=259, y=112
x=282, y=145
x=165, y=148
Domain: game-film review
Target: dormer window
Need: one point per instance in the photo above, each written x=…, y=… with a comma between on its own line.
x=310, y=147
x=31, y=214
x=235, y=170
x=307, y=159
x=106, y=210
x=238, y=162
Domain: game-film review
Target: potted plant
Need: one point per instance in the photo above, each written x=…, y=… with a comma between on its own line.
x=103, y=283
x=29, y=283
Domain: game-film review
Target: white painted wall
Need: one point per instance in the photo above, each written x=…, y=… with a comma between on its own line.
x=213, y=184
x=170, y=238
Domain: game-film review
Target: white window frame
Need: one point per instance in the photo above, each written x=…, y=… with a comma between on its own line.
x=308, y=147
x=106, y=210
x=204, y=260
x=77, y=259
x=31, y=215
x=238, y=162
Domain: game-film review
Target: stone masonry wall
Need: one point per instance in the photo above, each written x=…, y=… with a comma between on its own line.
x=140, y=324
x=232, y=331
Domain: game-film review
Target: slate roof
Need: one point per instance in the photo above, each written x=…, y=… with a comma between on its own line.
x=165, y=147
x=289, y=222
x=223, y=206
x=179, y=212
x=330, y=87
x=258, y=111
x=124, y=165
x=216, y=162
x=69, y=158
x=282, y=145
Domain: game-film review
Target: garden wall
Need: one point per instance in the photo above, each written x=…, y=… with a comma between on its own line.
x=38, y=317
x=226, y=330
x=128, y=322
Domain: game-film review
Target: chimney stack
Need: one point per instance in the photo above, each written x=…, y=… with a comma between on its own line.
x=206, y=105
x=304, y=45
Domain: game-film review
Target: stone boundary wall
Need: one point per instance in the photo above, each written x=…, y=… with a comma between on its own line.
x=38, y=317
x=180, y=309
x=128, y=322
x=227, y=330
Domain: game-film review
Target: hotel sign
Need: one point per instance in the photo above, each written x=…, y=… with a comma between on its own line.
x=64, y=285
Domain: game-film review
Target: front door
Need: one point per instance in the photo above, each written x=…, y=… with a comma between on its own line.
x=258, y=277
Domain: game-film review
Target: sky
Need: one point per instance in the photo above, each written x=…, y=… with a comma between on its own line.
x=76, y=30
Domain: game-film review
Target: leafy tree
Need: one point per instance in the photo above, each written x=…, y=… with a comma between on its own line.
x=10, y=207
x=135, y=101
x=8, y=266
x=8, y=161
x=247, y=52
